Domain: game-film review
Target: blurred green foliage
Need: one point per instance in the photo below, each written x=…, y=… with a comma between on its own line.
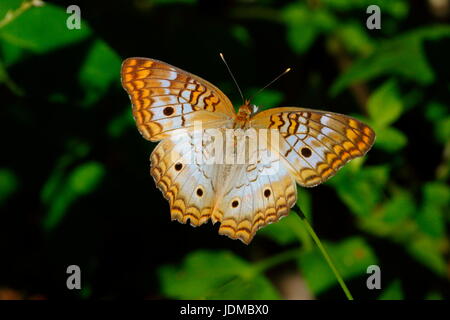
x=27, y=33
x=8, y=184
x=98, y=72
x=393, y=292
x=387, y=75
x=215, y=275
x=352, y=257
x=60, y=191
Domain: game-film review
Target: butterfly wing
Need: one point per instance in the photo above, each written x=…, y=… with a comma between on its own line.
x=242, y=197
x=315, y=144
x=166, y=98
x=252, y=196
x=187, y=185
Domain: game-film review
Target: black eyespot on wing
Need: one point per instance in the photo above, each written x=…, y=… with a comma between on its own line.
x=178, y=166
x=306, y=152
x=168, y=111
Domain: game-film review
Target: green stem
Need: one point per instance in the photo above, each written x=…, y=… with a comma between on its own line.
x=323, y=251
x=13, y=14
x=4, y=78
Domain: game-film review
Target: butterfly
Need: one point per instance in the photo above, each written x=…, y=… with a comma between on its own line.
x=311, y=146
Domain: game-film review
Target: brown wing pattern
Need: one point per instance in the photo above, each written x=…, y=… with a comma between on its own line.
x=166, y=98
x=243, y=198
x=316, y=144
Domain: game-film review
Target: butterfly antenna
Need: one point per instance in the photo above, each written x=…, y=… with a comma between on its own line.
x=232, y=76
x=271, y=82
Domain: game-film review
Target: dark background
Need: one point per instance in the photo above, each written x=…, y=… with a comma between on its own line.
x=74, y=171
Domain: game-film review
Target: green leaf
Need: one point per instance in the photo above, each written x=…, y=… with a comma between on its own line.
x=57, y=209
x=442, y=129
x=396, y=8
x=119, y=124
x=82, y=180
x=214, y=275
x=304, y=25
x=385, y=105
x=13, y=5
x=54, y=184
x=284, y=232
x=392, y=292
x=431, y=221
x=301, y=31
x=86, y=292
x=435, y=111
x=439, y=115
x=40, y=29
x=301, y=37
x=100, y=69
x=434, y=296
x=403, y=56
x=427, y=251
x=436, y=194
x=241, y=34
x=267, y=98
x=351, y=257
x=367, y=184
x=8, y=184
x=390, y=139
x=10, y=53
x=436, y=201
x=287, y=231
x=85, y=177
x=399, y=208
x=355, y=38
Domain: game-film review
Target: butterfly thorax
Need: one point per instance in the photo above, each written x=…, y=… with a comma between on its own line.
x=243, y=115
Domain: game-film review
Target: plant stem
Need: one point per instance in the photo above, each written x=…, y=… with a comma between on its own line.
x=13, y=14
x=4, y=78
x=323, y=251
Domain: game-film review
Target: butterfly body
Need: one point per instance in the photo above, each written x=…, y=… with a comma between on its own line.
x=242, y=188
x=243, y=115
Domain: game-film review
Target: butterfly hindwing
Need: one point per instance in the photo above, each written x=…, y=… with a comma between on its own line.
x=253, y=198
x=188, y=186
x=241, y=197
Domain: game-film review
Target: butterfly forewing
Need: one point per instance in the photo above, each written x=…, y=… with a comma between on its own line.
x=315, y=144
